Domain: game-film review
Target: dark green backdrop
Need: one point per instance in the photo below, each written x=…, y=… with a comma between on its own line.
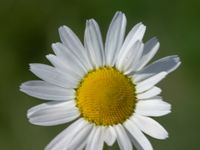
x=28, y=27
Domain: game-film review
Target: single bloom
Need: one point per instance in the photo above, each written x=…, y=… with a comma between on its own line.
x=109, y=91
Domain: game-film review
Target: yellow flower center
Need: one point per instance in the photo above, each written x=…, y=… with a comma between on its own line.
x=106, y=97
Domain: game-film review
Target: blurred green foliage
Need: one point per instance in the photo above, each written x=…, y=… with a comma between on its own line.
x=28, y=27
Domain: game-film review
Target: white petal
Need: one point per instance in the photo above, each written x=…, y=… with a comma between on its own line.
x=127, y=60
x=150, y=82
x=153, y=108
x=122, y=138
x=69, y=39
x=48, y=105
x=82, y=145
x=61, y=141
x=152, y=98
x=115, y=37
x=68, y=70
x=69, y=58
x=72, y=42
x=95, y=140
x=79, y=138
x=154, y=91
x=141, y=141
x=166, y=64
x=150, y=127
x=134, y=63
x=109, y=135
x=53, y=113
x=46, y=91
x=136, y=34
x=51, y=75
x=150, y=49
x=90, y=138
x=93, y=43
x=135, y=143
x=137, y=77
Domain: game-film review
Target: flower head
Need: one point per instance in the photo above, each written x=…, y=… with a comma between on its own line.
x=107, y=90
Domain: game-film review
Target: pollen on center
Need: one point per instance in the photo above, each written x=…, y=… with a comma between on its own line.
x=106, y=96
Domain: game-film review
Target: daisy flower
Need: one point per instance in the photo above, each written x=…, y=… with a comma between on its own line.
x=108, y=91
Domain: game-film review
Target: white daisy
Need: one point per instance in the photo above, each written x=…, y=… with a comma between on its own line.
x=108, y=91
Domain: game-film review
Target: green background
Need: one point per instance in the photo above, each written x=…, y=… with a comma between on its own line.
x=28, y=27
